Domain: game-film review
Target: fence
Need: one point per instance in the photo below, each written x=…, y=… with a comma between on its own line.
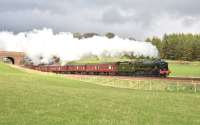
x=151, y=85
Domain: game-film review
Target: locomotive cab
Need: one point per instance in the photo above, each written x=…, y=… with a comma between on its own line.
x=163, y=68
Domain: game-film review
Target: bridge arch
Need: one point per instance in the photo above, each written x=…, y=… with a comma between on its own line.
x=14, y=57
x=10, y=60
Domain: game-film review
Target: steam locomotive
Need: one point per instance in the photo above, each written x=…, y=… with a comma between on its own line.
x=155, y=68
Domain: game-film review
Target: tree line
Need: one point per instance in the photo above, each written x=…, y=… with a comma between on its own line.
x=90, y=35
x=178, y=46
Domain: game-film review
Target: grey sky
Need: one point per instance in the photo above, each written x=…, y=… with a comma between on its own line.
x=136, y=18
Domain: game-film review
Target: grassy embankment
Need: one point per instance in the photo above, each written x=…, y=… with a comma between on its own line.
x=29, y=98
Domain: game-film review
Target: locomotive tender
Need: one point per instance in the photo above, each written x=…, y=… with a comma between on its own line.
x=156, y=68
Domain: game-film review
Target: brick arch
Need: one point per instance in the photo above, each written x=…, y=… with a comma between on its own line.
x=16, y=57
x=11, y=59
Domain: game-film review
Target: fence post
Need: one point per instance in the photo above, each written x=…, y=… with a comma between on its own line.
x=177, y=85
x=138, y=81
x=150, y=85
x=130, y=84
x=195, y=87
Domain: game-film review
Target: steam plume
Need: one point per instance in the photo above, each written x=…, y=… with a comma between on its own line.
x=44, y=43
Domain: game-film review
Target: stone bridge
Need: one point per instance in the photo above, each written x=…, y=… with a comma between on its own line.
x=16, y=58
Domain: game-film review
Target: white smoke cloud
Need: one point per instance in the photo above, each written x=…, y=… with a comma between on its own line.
x=44, y=43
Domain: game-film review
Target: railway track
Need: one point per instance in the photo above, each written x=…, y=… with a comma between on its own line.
x=184, y=78
x=168, y=78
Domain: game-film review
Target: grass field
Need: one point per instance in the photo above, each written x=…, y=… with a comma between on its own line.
x=47, y=99
x=185, y=69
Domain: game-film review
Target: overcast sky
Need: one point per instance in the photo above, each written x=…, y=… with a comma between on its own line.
x=133, y=18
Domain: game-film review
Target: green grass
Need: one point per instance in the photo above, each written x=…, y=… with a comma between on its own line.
x=35, y=99
x=185, y=69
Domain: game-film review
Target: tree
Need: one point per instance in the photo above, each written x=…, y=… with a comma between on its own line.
x=56, y=59
x=132, y=38
x=77, y=35
x=178, y=46
x=110, y=35
x=156, y=42
x=89, y=35
x=129, y=55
